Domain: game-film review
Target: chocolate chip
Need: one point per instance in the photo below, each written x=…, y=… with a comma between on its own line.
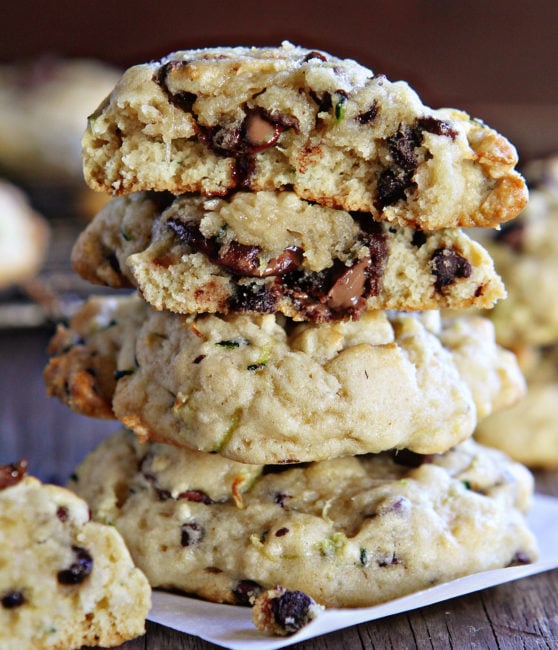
x=253, y=297
x=12, y=473
x=191, y=534
x=391, y=188
x=314, y=55
x=240, y=259
x=370, y=115
x=246, y=591
x=448, y=265
x=419, y=238
x=189, y=234
x=62, y=513
x=402, y=147
x=78, y=571
x=197, y=496
x=281, y=532
x=436, y=126
x=183, y=99
x=292, y=610
x=12, y=599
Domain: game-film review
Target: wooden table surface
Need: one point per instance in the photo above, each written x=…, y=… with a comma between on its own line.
x=521, y=614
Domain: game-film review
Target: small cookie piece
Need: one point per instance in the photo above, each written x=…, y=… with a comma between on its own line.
x=44, y=104
x=274, y=252
x=220, y=119
x=65, y=581
x=525, y=254
x=282, y=612
x=260, y=389
x=349, y=532
x=24, y=237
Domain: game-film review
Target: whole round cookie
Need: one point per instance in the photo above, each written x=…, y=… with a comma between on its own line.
x=260, y=389
x=349, y=532
x=24, y=237
x=220, y=119
x=65, y=581
x=274, y=252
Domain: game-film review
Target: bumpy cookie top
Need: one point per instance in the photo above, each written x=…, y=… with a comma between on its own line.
x=256, y=389
x=349, y=532
x=216, y=120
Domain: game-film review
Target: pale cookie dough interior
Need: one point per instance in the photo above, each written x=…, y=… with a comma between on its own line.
x=274, y=252
x=216, y=120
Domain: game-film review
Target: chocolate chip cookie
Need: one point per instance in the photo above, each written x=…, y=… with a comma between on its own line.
x=273, y=252
x=349, y=532
x=261, y=389
x=65, y=581
x=212, y=121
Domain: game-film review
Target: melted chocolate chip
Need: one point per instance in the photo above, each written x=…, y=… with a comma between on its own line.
x=511, y=234
x=402, y=147
x=240, y=259
x=189, y=233
x=370, y=115
x=253, y=297
x=291, y=610
x=448, y=265
x=323, y=100
x=391, y=188
x=78, y=571
x=183, y=100
x=437, y=127
x=246, y=591
x=12, y=599
x=12, y=473
x=191, y=534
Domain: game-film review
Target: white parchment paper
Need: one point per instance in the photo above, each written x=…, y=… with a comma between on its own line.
x=231, y=627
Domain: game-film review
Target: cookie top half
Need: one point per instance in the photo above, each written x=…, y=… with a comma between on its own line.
x=216, y=120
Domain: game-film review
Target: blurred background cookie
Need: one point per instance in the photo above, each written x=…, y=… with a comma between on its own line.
x=44, y=104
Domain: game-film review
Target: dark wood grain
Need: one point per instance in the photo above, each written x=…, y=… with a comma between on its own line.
x=522, y=614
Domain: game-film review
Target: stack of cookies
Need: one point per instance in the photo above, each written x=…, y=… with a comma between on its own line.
x=525, y=252
x=297, y=411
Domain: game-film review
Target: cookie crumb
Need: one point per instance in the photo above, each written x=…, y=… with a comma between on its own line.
x=283, y=612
